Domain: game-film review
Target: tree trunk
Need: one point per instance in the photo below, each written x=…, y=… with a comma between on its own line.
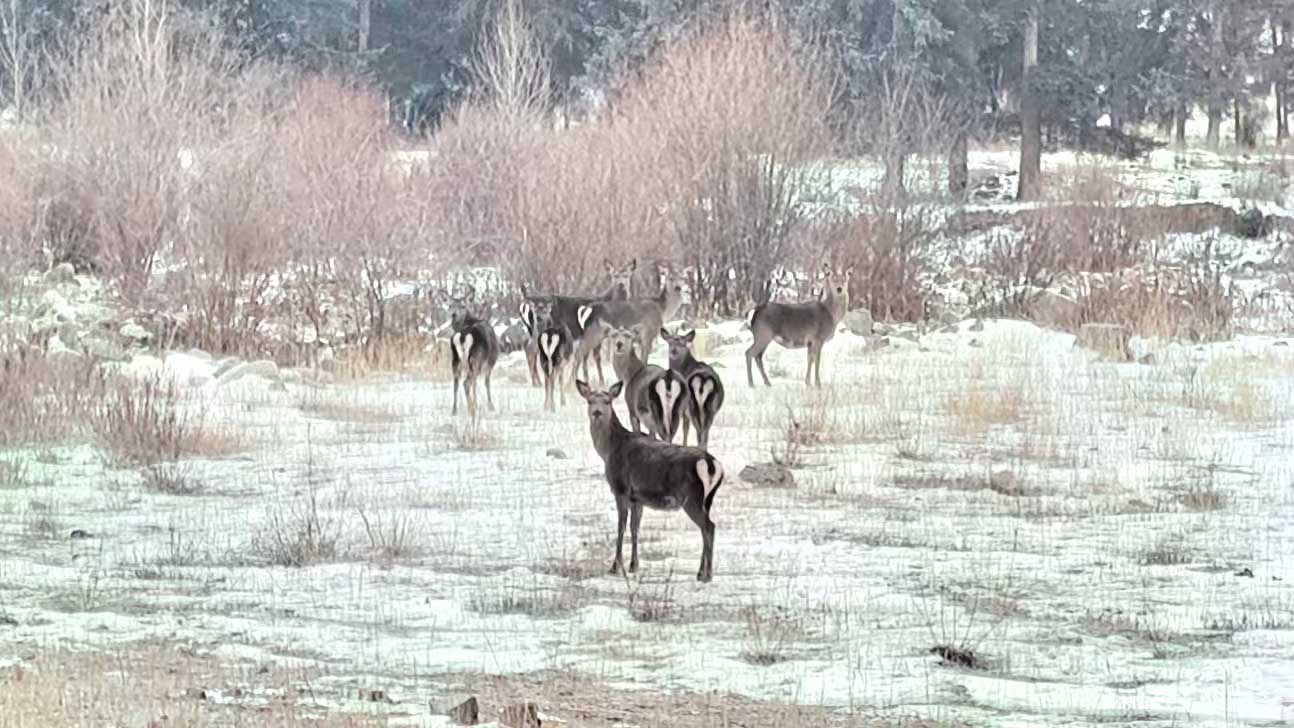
x=1213, y=139
x=958, y=167
x=892, y=186
x=365, y=24
x=1179, y=133
x=1030, y=116
x=1238, y=119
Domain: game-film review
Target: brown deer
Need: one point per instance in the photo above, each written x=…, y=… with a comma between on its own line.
x=646, y=472
x=800, y=325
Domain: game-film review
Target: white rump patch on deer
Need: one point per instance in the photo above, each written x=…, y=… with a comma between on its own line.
x=583, y=315
x=710, y=476
x=463, y=345
x=702, y=388
x=668, y=391
x=549, y=343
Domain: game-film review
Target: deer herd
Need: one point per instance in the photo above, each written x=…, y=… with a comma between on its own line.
x=642, y=464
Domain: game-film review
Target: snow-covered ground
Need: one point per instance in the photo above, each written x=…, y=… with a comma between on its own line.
x=1115, y=542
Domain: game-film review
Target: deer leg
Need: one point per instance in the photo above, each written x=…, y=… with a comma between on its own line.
x=687, y=419
x=759, y=361
x=622, y=515
x=597, y=359
x=489, y=392
x=817, y=367
x=635, y=518
x=532, y=360
x=469, y=392
x=457, y=372
x=808, y=366
x=695, y=509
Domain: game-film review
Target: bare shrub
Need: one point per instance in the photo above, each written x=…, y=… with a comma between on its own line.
x=134, y=90
x=770, y=634
x=142, y=422
x=728, y=119
x=19, y=210
x=704, y=165
x=171, y=479
x=392, y=534
x=889, y=246
x=45, y=399
x=298, y=534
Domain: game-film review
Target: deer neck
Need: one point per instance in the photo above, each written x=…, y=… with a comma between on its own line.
x=837, y=306
x=608, y=437
x=617, y=292
x=684, y=364
x=626, y=365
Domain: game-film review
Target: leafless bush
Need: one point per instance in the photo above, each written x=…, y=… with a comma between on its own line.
x=704, y=164
x=889, y=246
x=135, y=91
x=142, y=423
x=392, y=535
x=44, y=399
x=728, y=120
x=298, y=534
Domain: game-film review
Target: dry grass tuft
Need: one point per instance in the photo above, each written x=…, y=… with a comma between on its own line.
x=299, y=534
x=339, y=409
x=392, y=534
x=150, y=684
x=979, y=408
x=419, y=356
x=148, y=421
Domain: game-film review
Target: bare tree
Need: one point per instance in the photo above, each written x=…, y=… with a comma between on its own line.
x=18, y=58
x=512, y=69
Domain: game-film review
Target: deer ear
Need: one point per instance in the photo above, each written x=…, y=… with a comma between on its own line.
x=633, y=265
x=583, y=389
x=615, y=389
x=849, y=272
x=663, y=333
x=826, y=267
x=610, y=267
x=691, y=335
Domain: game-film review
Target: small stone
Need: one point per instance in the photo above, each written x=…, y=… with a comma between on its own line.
x=79, y=534
x=521, y=715
x=61, y=273
x=195, y=694
x=975, y=344
x=134, y=331
x=976, y=326
x=557, y=453
x=859, y=322
x=103, y=348
x=264, y=368
x=1147, y=359
x=467, y=712
x=1281, y=343
x=372, y=695
x=7, y=621
x=768, y=475
x=1246, y=572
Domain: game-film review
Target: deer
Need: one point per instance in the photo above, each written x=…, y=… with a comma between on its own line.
x=596, y=319
x=473, y=350
x=565, y=314
x=799, y=325
x=702, y=386
x=660, y=475
x=655, y=397
x=554, y=348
